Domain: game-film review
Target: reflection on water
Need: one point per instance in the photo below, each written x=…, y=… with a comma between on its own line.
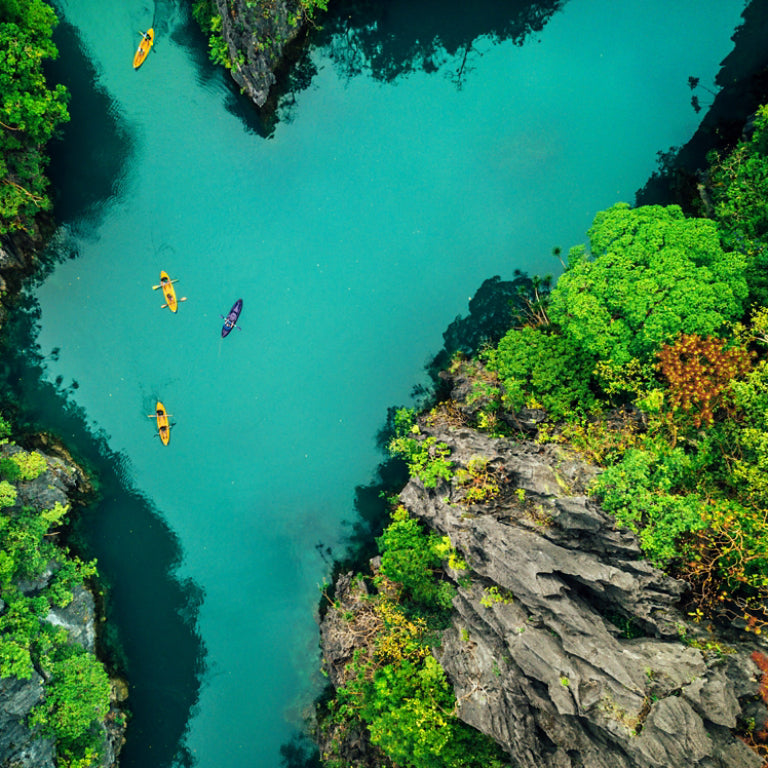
x=150, y=632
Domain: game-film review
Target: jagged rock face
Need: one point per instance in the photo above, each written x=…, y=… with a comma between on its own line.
x=20, y=747
x=535, y=653
x=256, y=35
x=17, y=698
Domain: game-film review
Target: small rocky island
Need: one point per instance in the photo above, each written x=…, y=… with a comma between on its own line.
x=565, y=646
x=252, y=39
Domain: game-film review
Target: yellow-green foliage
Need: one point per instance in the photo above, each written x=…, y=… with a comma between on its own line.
x=31, y=464
x=396, y=688
x=7, y=494
x=427, y=458
x=412, y=558
x=738, y=186
x=478, y=480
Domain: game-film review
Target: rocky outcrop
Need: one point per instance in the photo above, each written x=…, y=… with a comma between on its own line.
x=257, y=35
x=566, y=646
x=20, y=746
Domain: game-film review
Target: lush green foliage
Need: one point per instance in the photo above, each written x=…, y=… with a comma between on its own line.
x=645, y=491
x=653, y=318
x=207, y=16
x=738, y=185
x=77, y=689
x=411, y=558
x=427, y=459
x=396, y=688
x=76, y=697
x=539, y=367
x=643, y=358
x=30, y=111
x=652, y=274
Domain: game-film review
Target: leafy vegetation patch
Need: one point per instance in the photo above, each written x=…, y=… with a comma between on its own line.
x=396, y=689
x=30, y=111
x=649, y=355
x=77, y=690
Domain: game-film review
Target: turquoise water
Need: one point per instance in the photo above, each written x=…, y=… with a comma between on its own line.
x=355, y=232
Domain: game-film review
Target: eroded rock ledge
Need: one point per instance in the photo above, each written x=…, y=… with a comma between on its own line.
x=566, y=647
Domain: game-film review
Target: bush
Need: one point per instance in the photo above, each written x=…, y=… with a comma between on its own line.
x=10, y=470
x=75, y=699
x=31, y=465
x=426, y=458
x=30, y=112
x=542, y=368
x=738, y=186
x=411, y=557
x=646, y=493
x=7, y=494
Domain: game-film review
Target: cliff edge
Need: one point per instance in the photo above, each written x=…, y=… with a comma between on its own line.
x=565, y=646
x=22, y=743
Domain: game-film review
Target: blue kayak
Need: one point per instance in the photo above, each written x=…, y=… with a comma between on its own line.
x=230, y=321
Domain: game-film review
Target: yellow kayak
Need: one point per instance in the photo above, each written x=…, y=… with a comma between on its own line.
x=163, y=425
x=168, y=291
x=147, y=39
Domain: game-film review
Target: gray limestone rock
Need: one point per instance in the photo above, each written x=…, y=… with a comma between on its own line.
x=257, y=35
x=565, y=644
x=18, y=747
x=536, y=653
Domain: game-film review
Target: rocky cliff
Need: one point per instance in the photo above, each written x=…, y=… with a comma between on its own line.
x=566, y=647
x=257, y=35
x=21, y=746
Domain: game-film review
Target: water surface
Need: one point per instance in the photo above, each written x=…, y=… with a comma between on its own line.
x=355, y=231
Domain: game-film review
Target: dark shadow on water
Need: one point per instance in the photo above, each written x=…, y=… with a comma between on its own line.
x=150, y=635
x=392, y=38
x=382, y=39
x=301, y=752
x=88, y=162
x=743, y=86
x=492, y=311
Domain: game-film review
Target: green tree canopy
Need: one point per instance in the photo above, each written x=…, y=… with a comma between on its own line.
x=29, y=110
x=652, y=274
x=738, y=186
